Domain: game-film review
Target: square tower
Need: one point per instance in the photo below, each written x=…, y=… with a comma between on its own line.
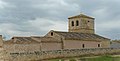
x=81, y=23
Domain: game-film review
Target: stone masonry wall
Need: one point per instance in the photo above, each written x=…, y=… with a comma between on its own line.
x=77, y=44
x=56, y=36
x=50, y=46
x=105, y=43
x=22, y=47
x=85, y=25
x=41, y=55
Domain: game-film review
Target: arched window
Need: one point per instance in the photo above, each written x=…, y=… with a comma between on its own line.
x=83, y=45
x=51, y=33
x=77, y=23
x=98, y=45
x=72, y=23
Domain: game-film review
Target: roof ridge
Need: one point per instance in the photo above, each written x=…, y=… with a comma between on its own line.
x=71, y=32
x=101, y=36
x=80, y=15
x=58, y=31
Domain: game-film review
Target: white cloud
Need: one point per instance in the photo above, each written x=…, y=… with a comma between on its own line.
x=47, y=24
x=100, y=12
x=17, y=17
x=108, y=25
x=39, y=26
x=58, y=6
x=2, y=4
x=9, y=30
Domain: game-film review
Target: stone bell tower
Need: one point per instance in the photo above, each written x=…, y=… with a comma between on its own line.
x=81, y=23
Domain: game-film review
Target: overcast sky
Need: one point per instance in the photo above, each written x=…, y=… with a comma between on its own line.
x=37, y=17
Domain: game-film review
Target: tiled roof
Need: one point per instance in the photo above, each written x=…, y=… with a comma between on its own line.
x=31, y=40
x=21, y=40
x=66, y=35
x=7, y=42
x=46, y=39
x=76, y=35
x=81, y=15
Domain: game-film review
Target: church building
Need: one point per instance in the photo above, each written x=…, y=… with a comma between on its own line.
x=81, y=35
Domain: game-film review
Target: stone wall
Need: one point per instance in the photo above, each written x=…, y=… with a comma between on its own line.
x=86, y=25
x=22, y=47
x=56, y=36
x=41, y=55
x=50, y=46
x=105, y=43
x=77, y=44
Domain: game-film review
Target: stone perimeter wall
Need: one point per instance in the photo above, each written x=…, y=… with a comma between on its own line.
x=43, y=55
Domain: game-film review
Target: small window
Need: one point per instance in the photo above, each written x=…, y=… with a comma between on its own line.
x=77, y=23
x=83, y=45
x=88, y=21
x=12, y=38
x=51, y=33
x=72, y=23
x=98, y=45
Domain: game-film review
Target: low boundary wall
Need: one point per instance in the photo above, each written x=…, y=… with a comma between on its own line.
x=43, y=55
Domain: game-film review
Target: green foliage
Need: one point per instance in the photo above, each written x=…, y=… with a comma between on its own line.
x=72, y=60
x=101, y=58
